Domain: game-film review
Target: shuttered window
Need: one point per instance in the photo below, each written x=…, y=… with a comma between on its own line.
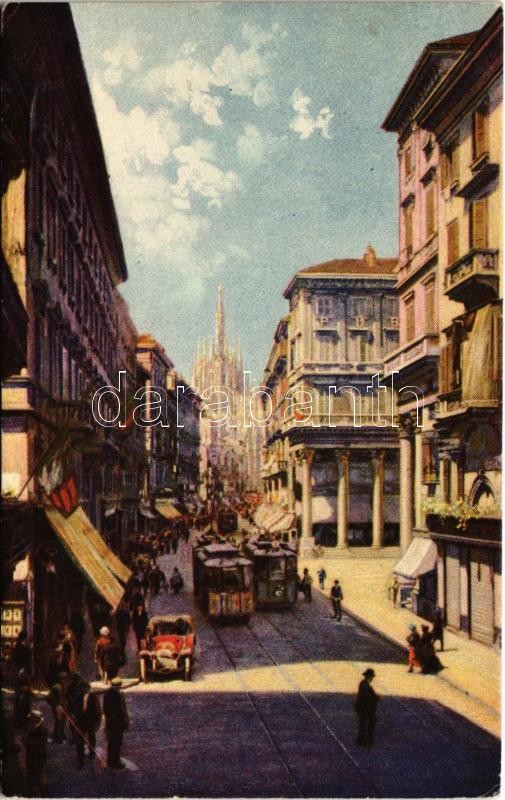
x=478, y=223
x=450, y=165
x=407, y=161
x=409, y=227
x=430, y=210
x=480, y=132
x=453, y=241
x=410, y=319
x=430, y=461
x=429, y=308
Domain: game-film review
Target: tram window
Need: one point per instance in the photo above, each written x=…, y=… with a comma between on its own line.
x=291, y=565
x=247, y=577
x=261, y=565
x=277, y=567
x=231, y=580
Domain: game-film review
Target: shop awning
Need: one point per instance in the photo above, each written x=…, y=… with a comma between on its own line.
x=114, y=563
x=283, y=523
x=79, y=539
x=167, y=509
x=421, y=557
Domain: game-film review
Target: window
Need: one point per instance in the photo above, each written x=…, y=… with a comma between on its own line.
x=410, y=319
x=324, y=306
x=478, y=223
x=429, y=308
x=408, y=216
x=480, y=138
x=326, y=346
x=430, y=461
x=450, y=165
x=407, y=161
x=363, y=348
x=453, y=241
x=430, y=225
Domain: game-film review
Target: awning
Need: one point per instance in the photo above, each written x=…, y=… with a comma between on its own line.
x=145, y=510
x=167, y=509
x=80, y=539
x=284, y=523
x=421, y=557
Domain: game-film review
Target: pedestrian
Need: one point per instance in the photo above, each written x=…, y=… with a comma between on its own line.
x=430, y=663
x=101, y=643
x=89, y=720
x=321, y=574
x=77, y=625
x=413, y=642
x=123, y=622
x=23, y=697
x=437, y=631
x=35, y=741
x=116, y=723
x=336, y=600
x=21, y=654
x=394, y=590
x=140, y=621
x=366, y=709
x=69, y=645
x=307, y=585
x=55, y=702
x=113, y=658
x=76, y=690
x=176, y=581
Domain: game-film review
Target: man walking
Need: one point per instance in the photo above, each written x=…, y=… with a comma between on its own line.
x=307, y=585
x=35, y=741
x=336, y=600
x=366, y=708
x=321, y=574
x=117, y=722
x=101, y=643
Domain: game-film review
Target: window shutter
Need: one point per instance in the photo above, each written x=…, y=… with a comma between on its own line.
x=454, y=163
x=444, y=170
x=429, y=308
x=478, y=235
x=430, y=210
x=452, y=241
x=480, y=138
x=409, y=226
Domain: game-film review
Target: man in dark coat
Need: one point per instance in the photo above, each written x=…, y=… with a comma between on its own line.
x=117, y=722
x=113, y=657
x=336, y=600
x=140, y=621
x=366, y=708
x=35, y=741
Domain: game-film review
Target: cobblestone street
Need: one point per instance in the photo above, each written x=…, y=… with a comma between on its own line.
x=269, y=712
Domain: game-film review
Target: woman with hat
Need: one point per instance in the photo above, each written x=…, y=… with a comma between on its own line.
x=366, y=708
x=413, y=642
x=101, y=643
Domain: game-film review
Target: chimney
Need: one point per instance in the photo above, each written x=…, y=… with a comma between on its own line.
x=370, y=256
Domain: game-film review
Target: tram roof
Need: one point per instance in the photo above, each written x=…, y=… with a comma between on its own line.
x=227, y=563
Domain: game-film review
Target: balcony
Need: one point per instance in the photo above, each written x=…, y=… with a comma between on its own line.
x=474, y=278
x=418, y=261
x=424, y=349
x=273, y=466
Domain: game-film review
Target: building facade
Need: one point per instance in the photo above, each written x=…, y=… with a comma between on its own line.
x=326, y=451
x=62, y=254
x=187, y=439
x=448, y=119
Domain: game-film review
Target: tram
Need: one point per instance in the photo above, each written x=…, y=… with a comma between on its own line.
x=227, y=522
x=275, y=572
x=223, y=581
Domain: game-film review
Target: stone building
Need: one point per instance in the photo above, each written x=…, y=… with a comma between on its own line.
x=327, y=452
x=62, y=254
x=218, y=378
x=448, y=118
x=187, y=463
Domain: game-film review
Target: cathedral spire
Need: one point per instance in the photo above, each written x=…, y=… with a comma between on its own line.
x=220, y=335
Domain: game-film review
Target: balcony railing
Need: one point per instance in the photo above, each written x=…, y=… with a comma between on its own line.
x=412, y=352
x=409, y=265
x=473, y=279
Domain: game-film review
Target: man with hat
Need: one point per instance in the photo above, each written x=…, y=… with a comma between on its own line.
x=414, y=644
x=117, y=722
x=366, y=708
x=35, y=741
x=101, y=643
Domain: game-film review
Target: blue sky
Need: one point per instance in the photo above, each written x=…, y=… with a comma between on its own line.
x=243, y=142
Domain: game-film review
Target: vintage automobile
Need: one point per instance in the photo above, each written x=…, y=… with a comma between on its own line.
x=170, y=647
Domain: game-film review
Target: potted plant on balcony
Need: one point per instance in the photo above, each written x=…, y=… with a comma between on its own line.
x=459, y=516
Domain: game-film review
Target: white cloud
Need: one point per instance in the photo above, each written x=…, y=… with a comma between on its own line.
x=161, y=230
x=187, y=82
x=123, y=57
x=196, y=174
x=304, y=124
x=251, y=145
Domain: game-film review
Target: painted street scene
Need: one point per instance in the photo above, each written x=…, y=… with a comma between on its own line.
x=251, y=399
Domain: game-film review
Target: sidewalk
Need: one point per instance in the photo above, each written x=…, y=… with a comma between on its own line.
x=471, y=667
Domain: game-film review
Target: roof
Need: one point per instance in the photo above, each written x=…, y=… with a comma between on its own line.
x=352, y=266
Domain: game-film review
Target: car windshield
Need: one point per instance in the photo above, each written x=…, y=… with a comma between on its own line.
x=178, y=627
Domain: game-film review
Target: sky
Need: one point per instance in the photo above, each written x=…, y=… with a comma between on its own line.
x=243, y=142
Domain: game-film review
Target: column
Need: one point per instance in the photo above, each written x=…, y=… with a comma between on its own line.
x=291, y=485
x=306, y=459
x=418, y=478
x=406, y=456
x=378, y=498
x=342, y=497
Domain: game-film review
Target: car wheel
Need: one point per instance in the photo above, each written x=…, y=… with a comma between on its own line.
x=187, y=669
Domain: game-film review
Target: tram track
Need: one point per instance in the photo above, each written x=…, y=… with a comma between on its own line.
x=297, y=690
